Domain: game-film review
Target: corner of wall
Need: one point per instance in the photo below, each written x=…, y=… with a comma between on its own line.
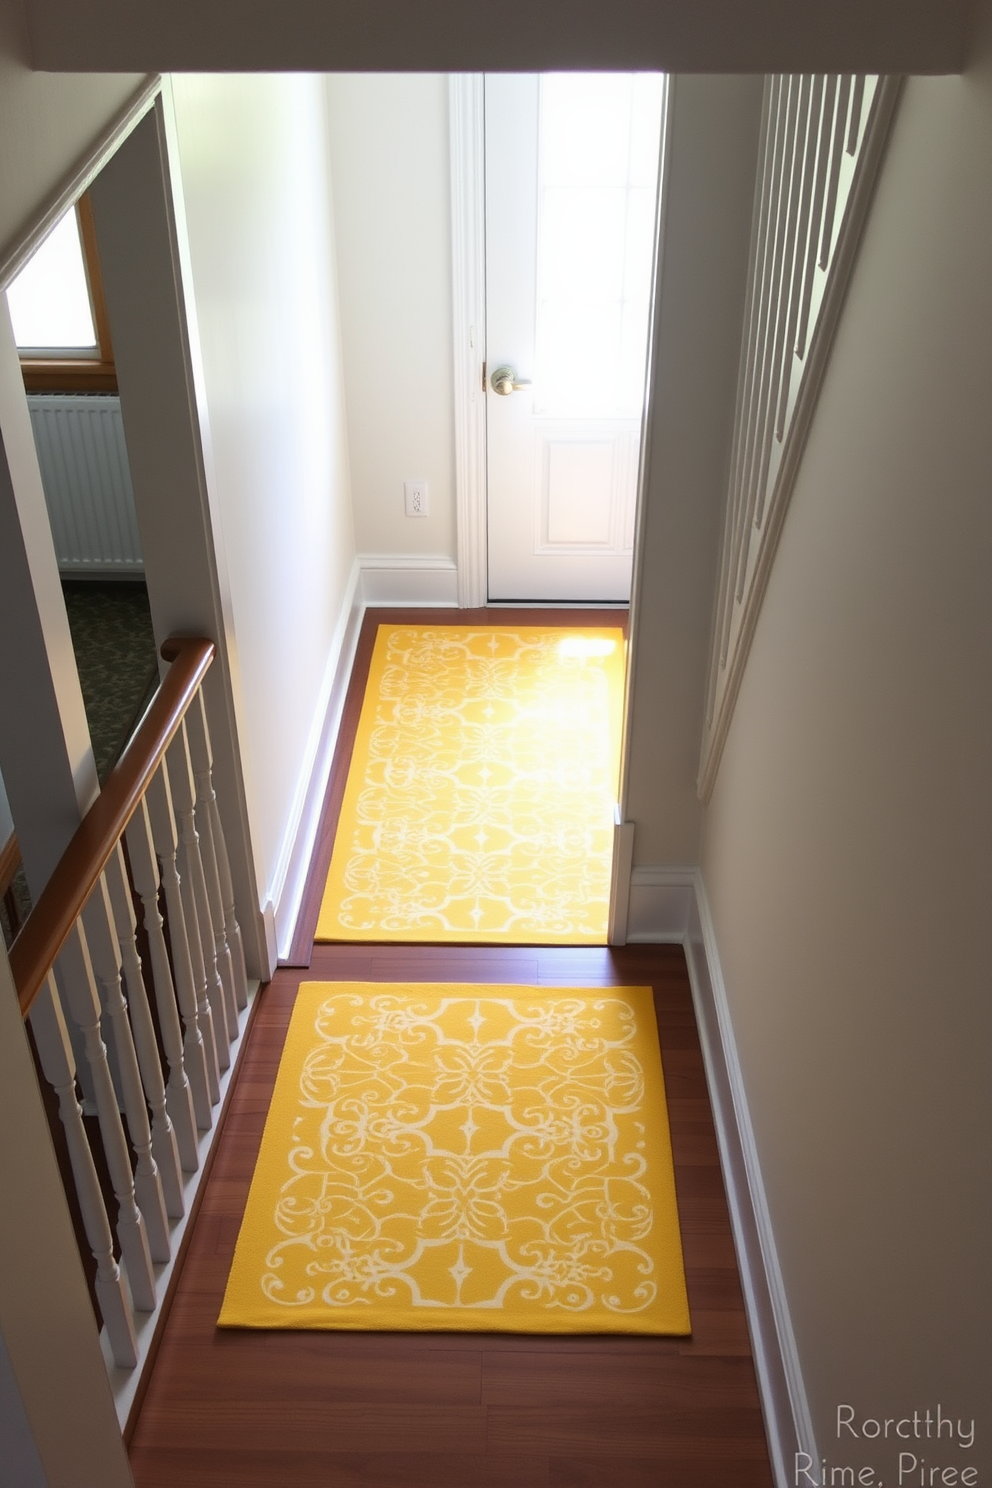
x=303, y=822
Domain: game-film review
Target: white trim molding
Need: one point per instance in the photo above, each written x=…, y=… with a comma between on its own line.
x=670, y=905
x=466, y=110
x=289, y=879
x=824, y=137
x=659, y=904
x=784, y=1402
x=376, y=580
x=402, y=579
x=623, y=852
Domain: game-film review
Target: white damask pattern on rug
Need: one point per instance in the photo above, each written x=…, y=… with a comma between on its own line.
x=436, y=1159
x=480, y=800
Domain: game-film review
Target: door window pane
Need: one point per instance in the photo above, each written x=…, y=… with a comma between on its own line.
x=598, y=146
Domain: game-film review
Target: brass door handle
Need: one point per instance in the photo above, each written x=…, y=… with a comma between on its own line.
x=504, y=381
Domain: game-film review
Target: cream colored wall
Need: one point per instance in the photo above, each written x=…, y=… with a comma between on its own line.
x=389, y=162
x=709, y=195
x=47, y=123
x=848, y=852
x=259, y=220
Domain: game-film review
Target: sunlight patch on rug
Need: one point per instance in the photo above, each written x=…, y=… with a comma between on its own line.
x=460, y=1157
x=479, y=803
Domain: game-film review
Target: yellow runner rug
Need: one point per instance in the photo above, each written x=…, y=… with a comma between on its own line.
x=464, y=1157
x=479, y=803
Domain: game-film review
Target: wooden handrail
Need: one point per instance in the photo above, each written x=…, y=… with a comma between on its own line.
x=48, y=926
x=10, y=861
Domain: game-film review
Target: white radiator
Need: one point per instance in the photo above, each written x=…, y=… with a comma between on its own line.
x=87, y=481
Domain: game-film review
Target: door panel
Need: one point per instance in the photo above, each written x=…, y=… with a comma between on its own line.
x=571, y=186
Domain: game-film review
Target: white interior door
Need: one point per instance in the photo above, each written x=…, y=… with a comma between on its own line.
x=571, y=201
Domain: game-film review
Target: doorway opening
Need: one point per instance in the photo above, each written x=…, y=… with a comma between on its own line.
x=555, y=200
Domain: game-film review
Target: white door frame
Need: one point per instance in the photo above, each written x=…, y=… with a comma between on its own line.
x=466, y=110
x=466, y=100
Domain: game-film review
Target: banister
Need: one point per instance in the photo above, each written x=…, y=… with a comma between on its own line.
x=48, y=926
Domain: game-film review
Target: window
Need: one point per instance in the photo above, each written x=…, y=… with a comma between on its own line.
x=58, y=312
x=599, y=141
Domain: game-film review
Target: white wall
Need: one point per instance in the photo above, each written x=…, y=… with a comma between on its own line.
x=259, y=218
x=848, y=851
x=389, y=152
x=709, y=195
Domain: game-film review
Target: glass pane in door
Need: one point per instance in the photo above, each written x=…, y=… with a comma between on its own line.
x=599, y=137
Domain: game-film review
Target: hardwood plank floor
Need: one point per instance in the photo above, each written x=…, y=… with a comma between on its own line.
x=333, y=1410
x=242, y=1409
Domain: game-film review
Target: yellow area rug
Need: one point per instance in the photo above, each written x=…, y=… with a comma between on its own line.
x=479, y=803
x=462, y=1157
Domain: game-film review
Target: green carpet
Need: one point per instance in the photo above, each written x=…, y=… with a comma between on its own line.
x=112, y=638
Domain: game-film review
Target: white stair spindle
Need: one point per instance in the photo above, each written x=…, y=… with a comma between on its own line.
x=105, y=956
x=84, y=1005
x=202, y=756
x=188, y=1091
x=208, y=855
x=164, y=1146
x=221, y=1053
x=183, y=928
x=51, y=1039
x=184, y=804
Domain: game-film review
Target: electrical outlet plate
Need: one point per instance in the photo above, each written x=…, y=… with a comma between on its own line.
x=415, y=498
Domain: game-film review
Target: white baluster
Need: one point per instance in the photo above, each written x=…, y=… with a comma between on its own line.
x=164, y=1145
x=211, y=872
x=105, y=956
x=184, y=802
x=807, y=147
x=188, y=1090
x=183, y=929
x=194, y=946
x=84, y=1005
x=202, y=756
x=816, y=212
x=836, y=161
x=51, y=1039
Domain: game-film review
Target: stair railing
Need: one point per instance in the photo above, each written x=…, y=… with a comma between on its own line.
x=822, y=141
x=140, y=1043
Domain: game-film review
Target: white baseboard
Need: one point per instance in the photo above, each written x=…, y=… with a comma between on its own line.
x=399, y=579
x=659, y=904
x=670, y=905
x=376, y=579
x=773, y=1343
x=289, y=880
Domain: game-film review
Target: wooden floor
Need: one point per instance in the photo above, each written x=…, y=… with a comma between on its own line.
x=242, y=1409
